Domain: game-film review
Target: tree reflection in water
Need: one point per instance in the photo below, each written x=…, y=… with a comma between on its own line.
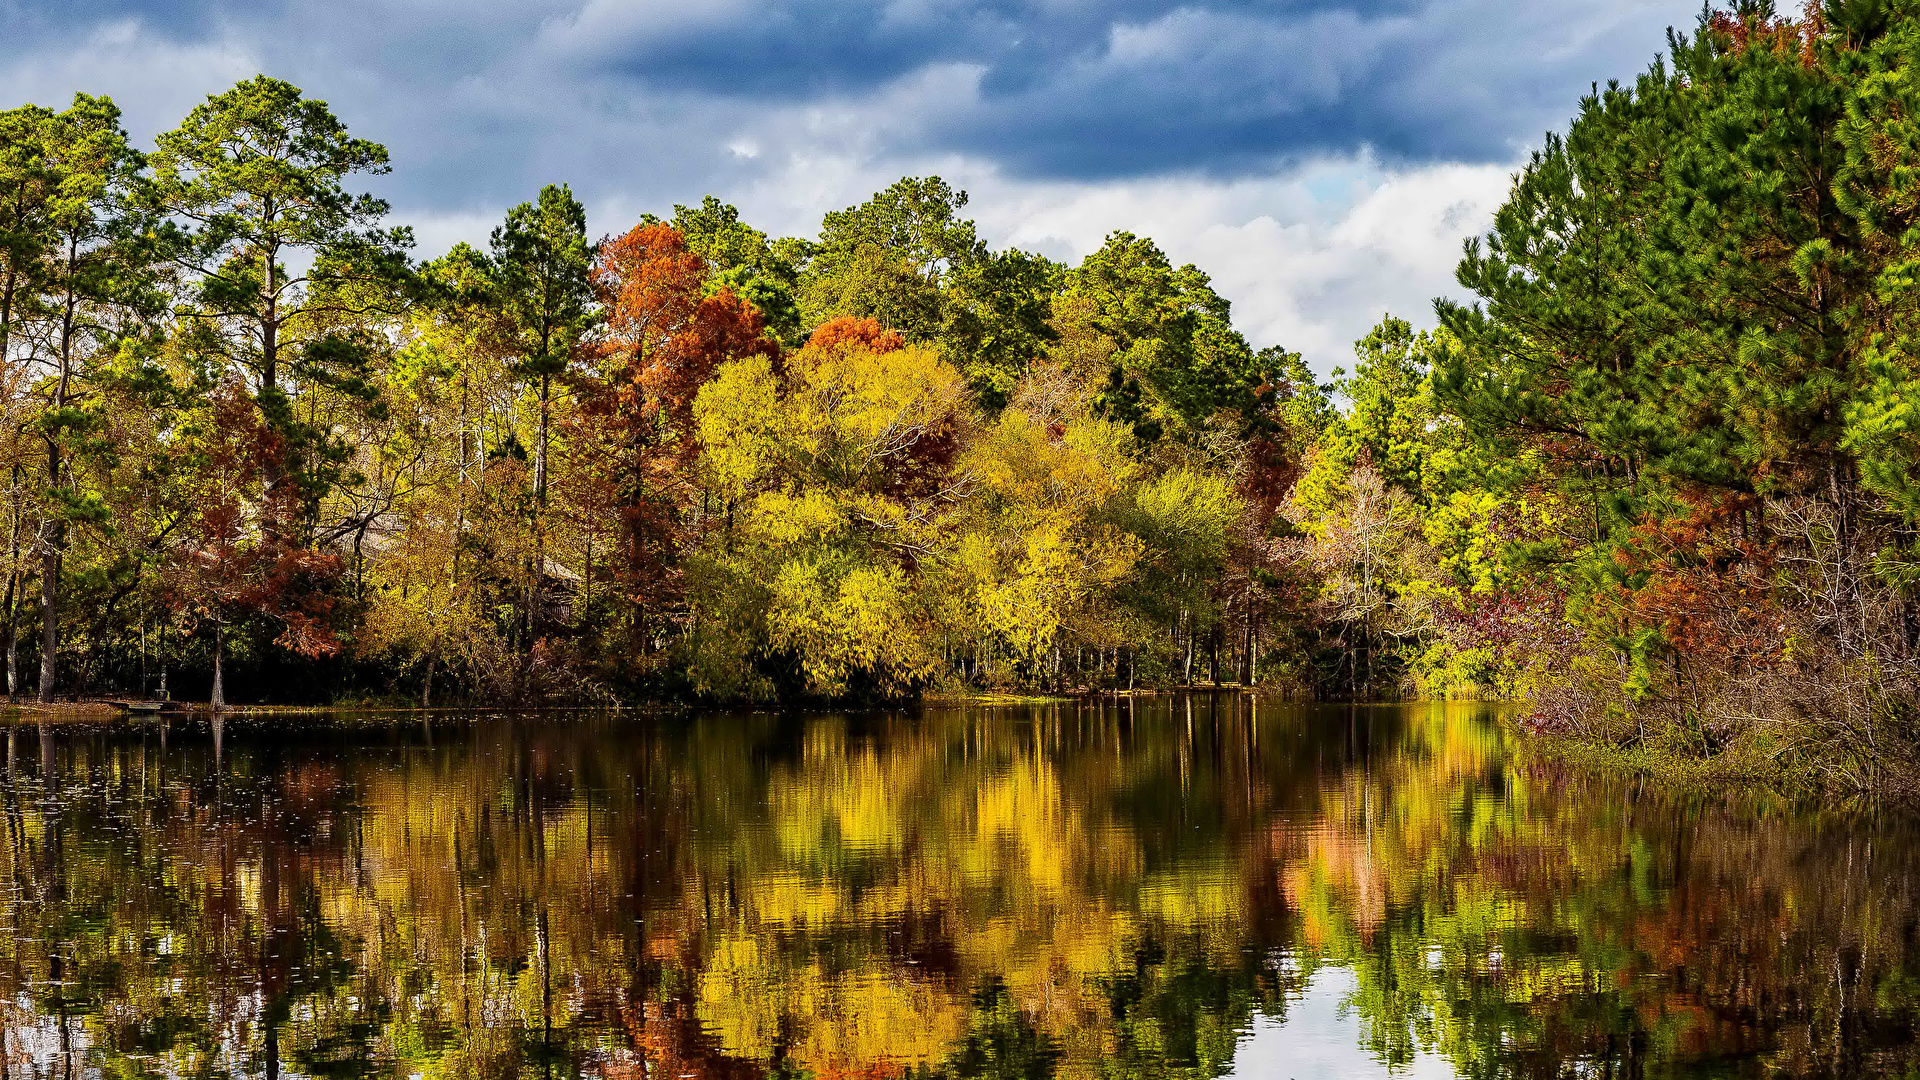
x=1085, y=889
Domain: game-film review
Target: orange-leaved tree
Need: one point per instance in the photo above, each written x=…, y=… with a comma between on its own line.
x=664, y=336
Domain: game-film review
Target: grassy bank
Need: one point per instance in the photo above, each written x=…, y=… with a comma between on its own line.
x=1795, y=765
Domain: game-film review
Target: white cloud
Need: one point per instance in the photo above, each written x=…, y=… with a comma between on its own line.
x=601, y=27
x=1311, y=257
x=435, y=232
x=1186, y=40
x=154, y=81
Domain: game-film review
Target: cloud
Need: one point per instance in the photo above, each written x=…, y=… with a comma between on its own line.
x=1230, y=92
x=154, y=81
x=1322, y=159
x=482, y=100
x=1311, y=256
x=1084, y=91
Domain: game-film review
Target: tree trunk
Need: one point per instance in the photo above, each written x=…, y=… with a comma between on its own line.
x=270, y=315
x=56, y=529
x=1213, y=653
x=1366, y=648
x=272, y=468
x=13, y=627
x=49, y=617
x=13, y=576
x=219, y=700
x=540, y=446
x=1186, y=668
x=1246, y=653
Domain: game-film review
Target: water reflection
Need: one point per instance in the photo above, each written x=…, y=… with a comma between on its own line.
x=1136, y=889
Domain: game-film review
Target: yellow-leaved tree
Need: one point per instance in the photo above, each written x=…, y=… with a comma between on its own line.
x=1037, y=548
x=833, y=469
x=442, y=548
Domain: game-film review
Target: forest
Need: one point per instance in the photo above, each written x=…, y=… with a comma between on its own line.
x=1660, y=478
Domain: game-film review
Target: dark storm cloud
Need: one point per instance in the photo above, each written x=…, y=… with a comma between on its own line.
x=1087, y=91
x=481, y=98
x=790, y=51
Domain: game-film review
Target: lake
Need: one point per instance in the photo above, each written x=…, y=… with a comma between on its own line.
x=1185, y=886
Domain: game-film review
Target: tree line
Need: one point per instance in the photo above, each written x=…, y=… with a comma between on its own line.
x=1659, y=476
x=249, y=436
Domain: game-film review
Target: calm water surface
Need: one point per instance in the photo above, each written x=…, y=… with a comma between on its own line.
x=1167, y=888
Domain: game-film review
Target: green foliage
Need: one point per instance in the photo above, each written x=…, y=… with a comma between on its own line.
x=556, y=468
x=887, y=259
x=906, y=259
x=252, y=176
x=1667, y=453
x=1688, y=377
x=1390, y=425
x=742, y=259
x=1173, y=361
x=541, y=259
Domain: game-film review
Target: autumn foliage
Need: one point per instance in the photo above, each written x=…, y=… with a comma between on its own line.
x=665, y=333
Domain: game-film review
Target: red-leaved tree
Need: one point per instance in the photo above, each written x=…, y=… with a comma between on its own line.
x=229, y=566
x=665, y=335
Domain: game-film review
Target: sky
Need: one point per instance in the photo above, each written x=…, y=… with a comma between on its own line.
x=1323, y=160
